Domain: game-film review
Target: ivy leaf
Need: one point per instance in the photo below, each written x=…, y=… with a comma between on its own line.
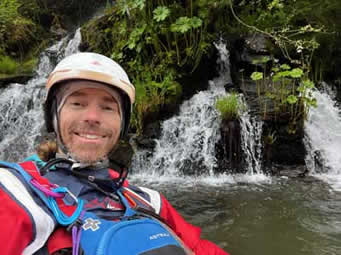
x=291, y=99
x=182, y=25
x=196, y=22
x=276, y=77
x=135, y=36
x=261, y=60
x=296, y=73
x=308, y=84
x=255, y=76
x=265, y=59
x=285, y=67
x=161, y=13
x=301, y=88
x=139, y=4
x=284, y=73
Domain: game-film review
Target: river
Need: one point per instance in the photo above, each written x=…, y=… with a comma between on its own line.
x=260, y=216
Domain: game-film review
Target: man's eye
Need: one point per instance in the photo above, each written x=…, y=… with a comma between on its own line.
x=108, y=108
x=76, y=104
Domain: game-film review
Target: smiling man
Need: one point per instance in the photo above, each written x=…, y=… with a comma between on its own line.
x=90, y=120
x=73, y=201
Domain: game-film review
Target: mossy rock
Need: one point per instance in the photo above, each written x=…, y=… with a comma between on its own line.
x=8, y=79
x=96, y=36
x=13, y=71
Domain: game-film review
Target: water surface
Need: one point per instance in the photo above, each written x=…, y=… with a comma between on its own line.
x=275, y=216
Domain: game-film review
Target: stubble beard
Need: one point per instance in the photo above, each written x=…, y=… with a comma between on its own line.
x=88, y=153
x=89, y=156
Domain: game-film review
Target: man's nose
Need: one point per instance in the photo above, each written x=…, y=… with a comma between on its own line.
x=92, y=114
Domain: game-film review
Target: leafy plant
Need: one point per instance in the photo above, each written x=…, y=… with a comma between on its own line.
x=289, y=92
x=229, y=107
x=287, y=26
x=284, y=92
x=161, y=13
x=157, y=42
x=17, y=33
x=151, y=98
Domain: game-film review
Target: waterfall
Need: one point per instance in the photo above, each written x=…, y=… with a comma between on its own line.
x=21, y=114
x=323, y=139
x=187, y=142
x=251, y=134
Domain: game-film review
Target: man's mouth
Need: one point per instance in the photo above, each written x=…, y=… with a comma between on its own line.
x=90, y=136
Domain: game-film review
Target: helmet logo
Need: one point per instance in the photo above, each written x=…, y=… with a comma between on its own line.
x=96, y=63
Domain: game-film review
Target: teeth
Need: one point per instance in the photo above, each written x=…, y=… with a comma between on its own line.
x=90, y=136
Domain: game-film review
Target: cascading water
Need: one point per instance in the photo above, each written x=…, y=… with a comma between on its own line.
x=251, y=134
x=323, y=139
x=21, y=114
x=187, y=142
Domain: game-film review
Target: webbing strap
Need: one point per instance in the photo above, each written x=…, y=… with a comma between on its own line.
x=61, y=211
x=129, y=211
x=26, y=176
x=32, y=170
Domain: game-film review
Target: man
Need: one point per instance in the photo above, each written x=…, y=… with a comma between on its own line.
x=77, y=201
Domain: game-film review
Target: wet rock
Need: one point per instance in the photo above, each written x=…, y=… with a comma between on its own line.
x=145, y=142
x=228, y=151
x=21, y=79
x=123, y=154
x=256, y=43
x=294, y=171
x=153, y=130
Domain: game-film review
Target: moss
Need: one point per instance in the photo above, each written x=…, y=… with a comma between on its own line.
x=96, y=35
x=8, y=65
x=28, y=66
x=11, y=67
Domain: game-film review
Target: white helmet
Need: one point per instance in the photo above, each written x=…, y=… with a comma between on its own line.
x=93, y=67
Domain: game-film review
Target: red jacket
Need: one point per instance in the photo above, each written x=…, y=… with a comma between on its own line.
x=28, y=226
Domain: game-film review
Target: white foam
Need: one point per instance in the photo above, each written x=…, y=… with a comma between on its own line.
x=208, y=180
x=323, y=140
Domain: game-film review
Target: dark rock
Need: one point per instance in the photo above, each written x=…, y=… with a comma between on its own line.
x=294, y=171
x=123, y=154
x=286, y=148
x=21, y=79
x=228, y=151
x=243, y=51
x=256, y=43
x=152, y=130
x=145, y=142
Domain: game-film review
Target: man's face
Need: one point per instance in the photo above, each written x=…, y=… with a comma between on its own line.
x=89, y=123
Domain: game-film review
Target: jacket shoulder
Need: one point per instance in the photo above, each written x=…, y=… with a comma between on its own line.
x=26, y=210
x=146, y=196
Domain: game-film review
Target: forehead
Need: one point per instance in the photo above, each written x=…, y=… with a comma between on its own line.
x=90, y=93
x=86, y=88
